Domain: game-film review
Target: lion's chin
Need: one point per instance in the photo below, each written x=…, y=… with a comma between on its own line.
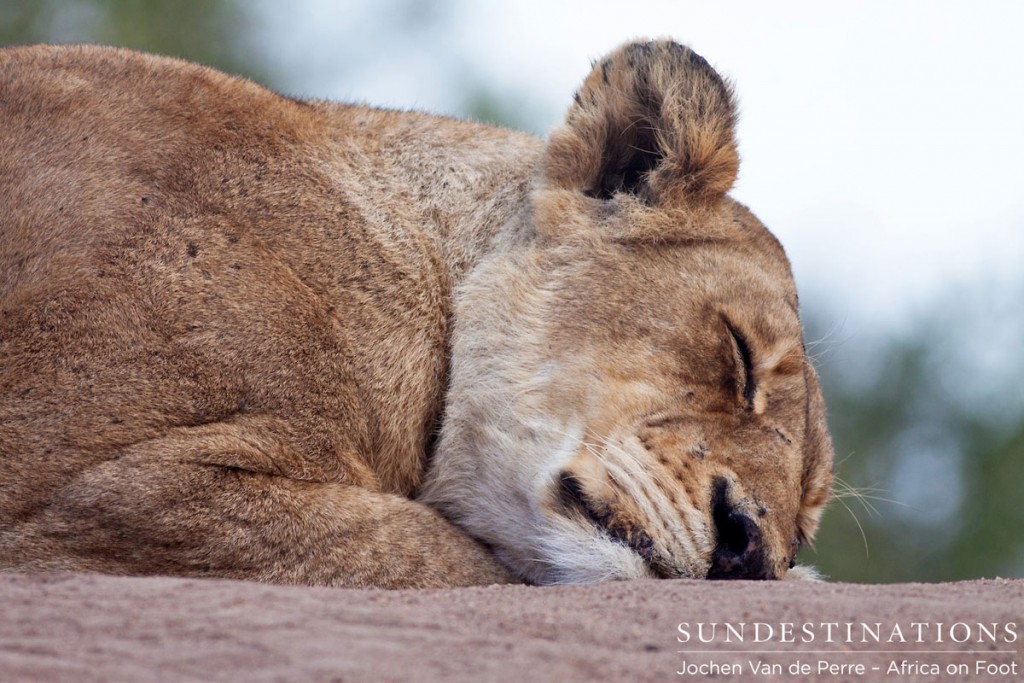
x=563, y=553
x=804, y=572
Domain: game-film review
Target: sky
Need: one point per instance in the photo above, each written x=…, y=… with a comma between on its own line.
x=881, y=141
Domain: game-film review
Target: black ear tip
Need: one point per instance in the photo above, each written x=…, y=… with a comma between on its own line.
x=698, y=62
x=636, y=52
x=644, y=51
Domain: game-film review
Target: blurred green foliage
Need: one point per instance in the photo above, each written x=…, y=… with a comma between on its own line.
x=212, y=32
x=929, y=432
x=929, y=436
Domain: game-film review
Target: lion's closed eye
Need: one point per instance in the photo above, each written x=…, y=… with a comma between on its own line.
x=746, y=381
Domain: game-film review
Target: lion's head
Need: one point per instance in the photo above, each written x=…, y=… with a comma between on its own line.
x=629, y=393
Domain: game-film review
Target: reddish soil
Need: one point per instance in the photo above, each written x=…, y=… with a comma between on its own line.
x=99, y=628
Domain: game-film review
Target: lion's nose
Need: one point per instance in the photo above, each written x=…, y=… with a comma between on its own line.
x=739, y=552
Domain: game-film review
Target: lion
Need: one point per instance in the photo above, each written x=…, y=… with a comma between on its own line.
x=254, y=337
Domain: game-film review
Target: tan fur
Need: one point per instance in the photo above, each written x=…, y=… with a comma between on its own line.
x=230, y=322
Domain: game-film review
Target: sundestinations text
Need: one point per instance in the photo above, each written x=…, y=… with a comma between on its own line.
x=846, y=632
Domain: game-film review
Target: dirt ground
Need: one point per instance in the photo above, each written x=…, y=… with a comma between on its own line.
x=72, y=627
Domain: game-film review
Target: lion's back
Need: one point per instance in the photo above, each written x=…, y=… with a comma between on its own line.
x=96, y=138
x=180, y=247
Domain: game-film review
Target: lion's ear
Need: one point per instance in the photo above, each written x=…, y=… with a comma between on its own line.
x=816, y=481
x=652, y=119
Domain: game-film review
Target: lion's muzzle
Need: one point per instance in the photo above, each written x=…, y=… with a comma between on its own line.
x=739, y=552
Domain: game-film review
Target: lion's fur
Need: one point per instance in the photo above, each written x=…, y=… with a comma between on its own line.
x=231, y=322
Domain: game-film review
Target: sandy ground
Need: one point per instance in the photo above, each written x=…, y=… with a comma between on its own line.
x=98, y=628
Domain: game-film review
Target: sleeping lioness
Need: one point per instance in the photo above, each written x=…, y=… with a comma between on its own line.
x=253, y=337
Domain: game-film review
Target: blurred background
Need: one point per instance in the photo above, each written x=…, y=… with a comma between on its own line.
x=882, y=142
